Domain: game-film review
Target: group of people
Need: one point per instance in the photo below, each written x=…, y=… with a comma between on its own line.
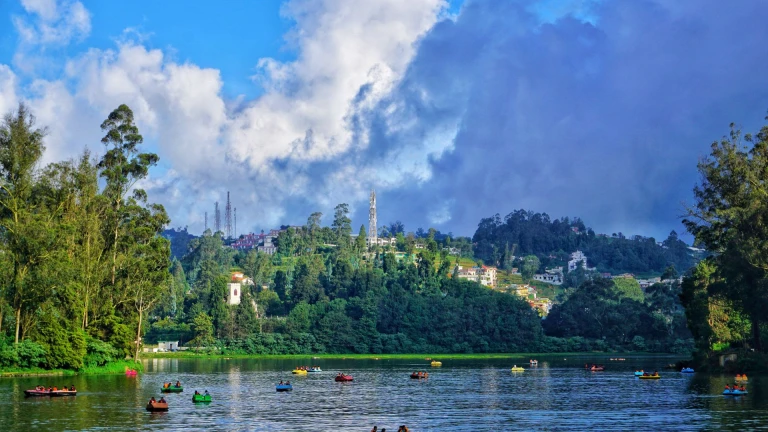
x=42, y=388
x=168, y=385
x=655, y=373
x=420, y=374
x=402, y=428
x=152, y=400
x=736, y=387
x=281, y=383
x=307, y=368
x=198, y=393
x=594, y=366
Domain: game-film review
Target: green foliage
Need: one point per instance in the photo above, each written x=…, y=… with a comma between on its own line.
x=608, y=319
x=530, y=266
x=527, y=233
x=99, y=353
x=78, y=259
x=203, y=328
x=629, y=288
x=25, y=354
x=730, y=218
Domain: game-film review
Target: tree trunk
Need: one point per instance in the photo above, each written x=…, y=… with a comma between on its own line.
x=138, y=338
x=756, y=333
x=18, y=323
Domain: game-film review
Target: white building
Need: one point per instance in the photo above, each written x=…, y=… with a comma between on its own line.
x=484, y=275
x=233, y=293
x=579, y=259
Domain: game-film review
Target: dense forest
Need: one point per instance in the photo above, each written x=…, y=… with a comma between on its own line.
x=617, y=315
x=523, y=233
x=81, y=259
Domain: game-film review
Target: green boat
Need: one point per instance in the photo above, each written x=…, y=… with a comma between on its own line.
x=172, y=389
x=199, y=398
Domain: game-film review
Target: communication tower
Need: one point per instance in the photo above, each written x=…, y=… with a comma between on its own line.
x=228, y=218
x=217, y=218
x=372, y=220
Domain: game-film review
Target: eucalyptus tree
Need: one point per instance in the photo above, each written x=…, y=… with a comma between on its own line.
x=730, y=217
x=121, y=166
x=21, y=147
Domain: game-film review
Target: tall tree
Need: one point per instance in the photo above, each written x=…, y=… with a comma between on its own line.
x=730, y=217
x=342, y=224
x=21, y=146
x=122, y=166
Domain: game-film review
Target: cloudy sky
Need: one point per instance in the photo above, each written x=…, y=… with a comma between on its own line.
x=452, y=110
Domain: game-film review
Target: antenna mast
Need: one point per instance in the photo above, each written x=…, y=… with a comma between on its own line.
x=372, y=232
x=228, y=218
x=217, y=218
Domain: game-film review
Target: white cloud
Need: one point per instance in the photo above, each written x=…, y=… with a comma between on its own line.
x=301, y=120
x=8, y=98
x=52, y=23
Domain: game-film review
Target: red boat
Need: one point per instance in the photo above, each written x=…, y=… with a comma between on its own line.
x=419, y=375
x=344, y=378
x=157, y=406
x=597, y=368
x=50, y=392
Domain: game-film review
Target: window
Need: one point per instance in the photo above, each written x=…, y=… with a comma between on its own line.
x=235, y=293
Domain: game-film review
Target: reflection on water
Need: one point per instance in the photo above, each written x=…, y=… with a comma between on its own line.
x=461, y=395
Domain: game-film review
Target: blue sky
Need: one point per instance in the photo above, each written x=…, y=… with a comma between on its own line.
x=452, y=111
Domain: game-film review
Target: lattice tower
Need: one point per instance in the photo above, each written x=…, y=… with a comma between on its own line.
x=217, y=218
x=372, y=234
x=228, y=218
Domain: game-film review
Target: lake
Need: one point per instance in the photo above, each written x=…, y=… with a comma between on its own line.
x=476, y=395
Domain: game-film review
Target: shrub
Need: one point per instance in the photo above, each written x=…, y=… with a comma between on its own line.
x=99, y=353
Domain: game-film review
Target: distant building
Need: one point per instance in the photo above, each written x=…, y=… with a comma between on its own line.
x=578, y=259
x=233, y=293
x=552, y=276
x=542, y=305
x=484, y=275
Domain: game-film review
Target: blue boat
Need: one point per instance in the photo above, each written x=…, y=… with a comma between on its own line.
x=639, y=373
x=283, y=387
x=687, y=370
x=734, y=392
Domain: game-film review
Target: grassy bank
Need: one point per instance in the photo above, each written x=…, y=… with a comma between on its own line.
x=526, y=356
x=114, y=368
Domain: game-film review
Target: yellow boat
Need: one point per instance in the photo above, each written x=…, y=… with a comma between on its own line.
x=742, y=378
x=436, y=363
x=517, y=368
x=299, y=372
x=649, y=376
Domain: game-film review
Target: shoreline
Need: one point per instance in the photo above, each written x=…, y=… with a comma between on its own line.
x=489, y=356
x=112, y=368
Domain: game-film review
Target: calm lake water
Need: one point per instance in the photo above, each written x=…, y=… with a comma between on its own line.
x=475, y=395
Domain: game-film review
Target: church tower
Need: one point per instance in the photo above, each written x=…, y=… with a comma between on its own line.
x=372, y=230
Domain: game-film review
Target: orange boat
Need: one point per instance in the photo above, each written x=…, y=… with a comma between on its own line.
x=157, y=406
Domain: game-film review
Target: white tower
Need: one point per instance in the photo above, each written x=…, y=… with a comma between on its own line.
x=233, y=297
x=372, y=220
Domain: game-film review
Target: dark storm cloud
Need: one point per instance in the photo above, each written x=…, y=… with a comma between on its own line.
x=605, y=121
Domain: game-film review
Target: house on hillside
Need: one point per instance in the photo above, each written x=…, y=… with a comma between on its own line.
x=542, y=305
x=484, y=275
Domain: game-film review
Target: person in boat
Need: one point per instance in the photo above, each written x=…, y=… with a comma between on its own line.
x=197, y=393
x=152, y=400
x=178, y=384
x=287, y=383
x=375, y=429
x=72, y=388
x=281, y=382
x=162, y=400
x=655, y=373
x=206, y=392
